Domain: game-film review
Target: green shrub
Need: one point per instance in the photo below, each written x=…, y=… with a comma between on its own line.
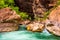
x=11, y=4
x=23, y=15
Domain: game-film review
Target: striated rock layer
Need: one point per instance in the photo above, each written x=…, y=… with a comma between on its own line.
x=8, y=20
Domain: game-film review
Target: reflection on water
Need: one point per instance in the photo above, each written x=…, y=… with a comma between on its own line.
x=23, y=34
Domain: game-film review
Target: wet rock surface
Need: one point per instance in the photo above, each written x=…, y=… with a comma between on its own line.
x=8, y=20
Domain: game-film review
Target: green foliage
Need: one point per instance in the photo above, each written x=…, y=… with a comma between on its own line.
x=15, y=8
x=46, y=14
x=11, y=4
x=58, y=2
x=23, y=15
x=2, y=3
x=8, y=3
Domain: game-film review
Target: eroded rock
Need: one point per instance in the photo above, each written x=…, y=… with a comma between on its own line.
x=8, y=20
x=7, y=14
x=53, y=23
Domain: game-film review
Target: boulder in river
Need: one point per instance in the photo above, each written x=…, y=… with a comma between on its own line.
x=35, y=27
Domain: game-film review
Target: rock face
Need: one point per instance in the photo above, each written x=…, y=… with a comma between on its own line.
x=8, y=20
x=6, y=27
x=7, y=14
x=53, y=23
x=35, y=8
x=55, y=15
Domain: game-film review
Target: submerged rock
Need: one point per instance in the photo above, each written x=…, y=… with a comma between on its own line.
x=53, y=23
x=8, y=20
